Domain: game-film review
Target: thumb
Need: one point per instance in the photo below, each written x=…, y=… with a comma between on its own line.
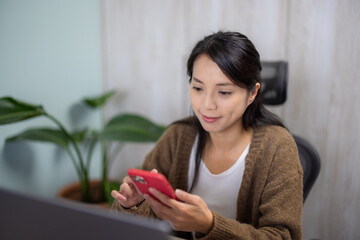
x=154, y=170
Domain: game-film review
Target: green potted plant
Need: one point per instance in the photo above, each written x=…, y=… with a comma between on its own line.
x=80, y=144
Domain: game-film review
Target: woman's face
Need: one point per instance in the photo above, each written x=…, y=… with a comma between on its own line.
x=218, y=103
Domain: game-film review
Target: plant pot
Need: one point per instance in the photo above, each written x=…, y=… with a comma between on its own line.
x=73, y=192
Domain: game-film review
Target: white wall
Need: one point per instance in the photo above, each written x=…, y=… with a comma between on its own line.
x=146, y=44
x=50, y=54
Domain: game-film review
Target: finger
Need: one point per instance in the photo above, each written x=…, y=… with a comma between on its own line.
x=127, y=179
x=128, y=190
x=163, y=198
x=115, y=194
x=161, y=210
x=154, y=170
x=134, y=188
x=187, y=197
x=131, y=184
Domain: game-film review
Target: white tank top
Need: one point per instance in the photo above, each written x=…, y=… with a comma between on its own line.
x=219, y=191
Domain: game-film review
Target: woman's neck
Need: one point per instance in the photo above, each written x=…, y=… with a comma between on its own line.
x=222, y=150
x=230, y=139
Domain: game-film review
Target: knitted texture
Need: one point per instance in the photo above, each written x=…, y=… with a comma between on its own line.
x=269, y=204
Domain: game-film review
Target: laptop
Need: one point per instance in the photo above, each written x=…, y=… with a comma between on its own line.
x=28, y=217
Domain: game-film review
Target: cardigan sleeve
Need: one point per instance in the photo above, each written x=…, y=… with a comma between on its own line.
x=160, y=159
x=280, y=202
x=142, y=209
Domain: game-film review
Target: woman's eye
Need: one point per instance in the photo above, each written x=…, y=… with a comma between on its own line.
x=197, y=89
x=224, y=93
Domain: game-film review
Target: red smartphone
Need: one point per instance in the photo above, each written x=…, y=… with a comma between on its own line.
x=145, y=180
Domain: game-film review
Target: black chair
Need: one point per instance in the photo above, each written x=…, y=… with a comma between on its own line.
x=274, y=77
x=310, y=162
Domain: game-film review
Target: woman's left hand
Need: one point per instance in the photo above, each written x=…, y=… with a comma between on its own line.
x=188, y=214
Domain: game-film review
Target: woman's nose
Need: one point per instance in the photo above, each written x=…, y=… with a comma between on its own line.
x=209, y=102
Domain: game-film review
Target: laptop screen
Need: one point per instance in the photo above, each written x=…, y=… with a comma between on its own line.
x=28, y=217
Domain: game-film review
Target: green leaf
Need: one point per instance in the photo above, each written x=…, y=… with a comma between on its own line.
x=80, y=135
x=43, y=135
x=12, y=110
x=132, y=128
x=99, y=101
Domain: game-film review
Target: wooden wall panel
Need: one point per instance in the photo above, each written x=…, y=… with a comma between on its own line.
x=324, y=56
x=146, y=45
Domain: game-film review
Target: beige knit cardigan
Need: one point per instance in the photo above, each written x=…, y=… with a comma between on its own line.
x=269, y=203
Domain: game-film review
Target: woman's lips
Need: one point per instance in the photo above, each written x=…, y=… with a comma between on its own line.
x=209, y=119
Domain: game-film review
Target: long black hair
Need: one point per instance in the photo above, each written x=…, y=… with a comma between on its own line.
x=239, y=60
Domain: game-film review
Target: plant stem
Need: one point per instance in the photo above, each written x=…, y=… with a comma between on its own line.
x=104, y=148
x=104, y=162
x=84, y=179
x=90, y=152
x=78, y=171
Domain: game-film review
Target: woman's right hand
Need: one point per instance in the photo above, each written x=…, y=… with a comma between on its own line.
x=128, y=195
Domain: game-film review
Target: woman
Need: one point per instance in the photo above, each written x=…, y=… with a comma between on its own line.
x=234, y=165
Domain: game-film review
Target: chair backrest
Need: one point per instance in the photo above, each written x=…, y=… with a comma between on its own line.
x=274, y=78
x=310, y=162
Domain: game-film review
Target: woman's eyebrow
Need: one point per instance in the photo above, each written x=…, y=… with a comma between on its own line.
x=218, y=84
x=197, y=80
x=225, y=84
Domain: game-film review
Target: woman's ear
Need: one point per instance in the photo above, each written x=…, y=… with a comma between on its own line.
x=254, y=93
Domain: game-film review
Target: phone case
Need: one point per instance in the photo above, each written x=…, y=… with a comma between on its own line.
x=145, y=179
